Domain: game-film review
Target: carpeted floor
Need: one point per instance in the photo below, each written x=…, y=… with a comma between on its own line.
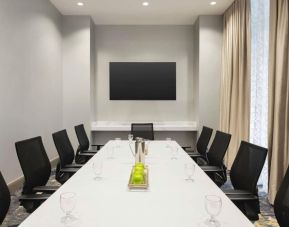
x=17, y=213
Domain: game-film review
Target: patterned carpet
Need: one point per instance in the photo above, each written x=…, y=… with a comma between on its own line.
x=17, y=213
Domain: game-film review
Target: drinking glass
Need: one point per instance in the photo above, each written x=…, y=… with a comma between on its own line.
x=174, y=150
x=190, y=171
x=213, y=206
x=130, y=138
x=117, y=142
x=110, y=152
x=67, y=205
x=168, y=142
x=97, y=169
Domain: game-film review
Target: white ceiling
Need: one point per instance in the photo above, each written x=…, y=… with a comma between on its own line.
x=128, y=12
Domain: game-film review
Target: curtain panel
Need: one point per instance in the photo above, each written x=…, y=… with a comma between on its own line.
x=278, y=142
x=235, y=82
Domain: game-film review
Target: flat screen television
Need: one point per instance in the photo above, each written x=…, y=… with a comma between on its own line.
x=142, y=80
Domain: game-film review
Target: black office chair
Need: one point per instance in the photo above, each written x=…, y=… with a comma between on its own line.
x=83, y=140
x=202, y=144
x=215, y=158
x=281, y=203
x=65, y=167
x=5, y=200
x=36, y=169
x=143, y=130
x=244, y=176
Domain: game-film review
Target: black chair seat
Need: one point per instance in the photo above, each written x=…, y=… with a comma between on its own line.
x=69, y=170
x=89, y=151
x=85, y=154
x=45, y=189
x=34, y=197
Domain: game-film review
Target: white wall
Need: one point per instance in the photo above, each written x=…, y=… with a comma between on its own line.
x=210, y=66
x=76, y=73
x=30, y=78
x=145, y=43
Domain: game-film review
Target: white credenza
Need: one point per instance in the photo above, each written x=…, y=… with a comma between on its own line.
x=184, y=132
x=185, y=126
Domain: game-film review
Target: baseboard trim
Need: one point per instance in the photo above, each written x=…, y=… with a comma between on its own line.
x=16, y=184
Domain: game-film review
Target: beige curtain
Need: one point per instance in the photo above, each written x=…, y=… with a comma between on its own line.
x=278, y=143
x=235, y=84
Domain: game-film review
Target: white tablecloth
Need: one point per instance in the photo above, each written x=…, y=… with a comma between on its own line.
x=170, y=201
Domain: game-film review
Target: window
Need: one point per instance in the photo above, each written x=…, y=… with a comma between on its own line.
x=259, y=79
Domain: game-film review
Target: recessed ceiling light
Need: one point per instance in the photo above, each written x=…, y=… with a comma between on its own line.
x=80, y=4
x=145, y=3
x=213, y=3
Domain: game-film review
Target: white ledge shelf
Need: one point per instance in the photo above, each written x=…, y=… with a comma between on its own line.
x=158, y=126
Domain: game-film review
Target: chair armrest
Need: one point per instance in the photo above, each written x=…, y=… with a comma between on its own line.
x=85, y=154
x=89, y=151
x=236, y=192
x=45, y=189
x=186, y=147
x=194, y=154
x=212, y=168
x=242, y=197
x=69, y=170
x=73, y=165
x=34, y=197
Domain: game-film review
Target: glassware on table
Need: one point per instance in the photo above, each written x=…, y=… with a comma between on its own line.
x=130, y=137
x=67, y=205
x=174, y=150
x=213, y=206
x=117, y=142
x=110, y=152
x=168, y=142
x=190, y=171
x=97, y=169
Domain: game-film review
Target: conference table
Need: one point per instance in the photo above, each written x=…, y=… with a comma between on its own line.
x=170, y=200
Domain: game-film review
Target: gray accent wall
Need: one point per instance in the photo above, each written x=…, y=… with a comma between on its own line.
x=31, y=78
x=141, y=44
x=77, y=73
x=208, y=67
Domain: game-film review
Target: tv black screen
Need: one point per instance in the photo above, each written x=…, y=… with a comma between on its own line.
x=142, y=80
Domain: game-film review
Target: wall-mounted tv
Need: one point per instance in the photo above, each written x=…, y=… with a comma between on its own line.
x=142, y=80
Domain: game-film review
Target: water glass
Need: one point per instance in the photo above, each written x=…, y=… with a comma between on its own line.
x=110, y=152
x=174, y=150
x=117, y=142
x=168, y=142
x=97, y=169
x=213, y=206
x=67, y=205
x=190, y=171
x=130, y=137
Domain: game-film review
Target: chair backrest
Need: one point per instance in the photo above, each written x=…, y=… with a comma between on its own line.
x=82, y=137
x=281, y=203
x=63, y=147
x=143, y=130
x=34, y=163
x=204, y=139
x=218, y=148
x=247, y=167
x=4, y=199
